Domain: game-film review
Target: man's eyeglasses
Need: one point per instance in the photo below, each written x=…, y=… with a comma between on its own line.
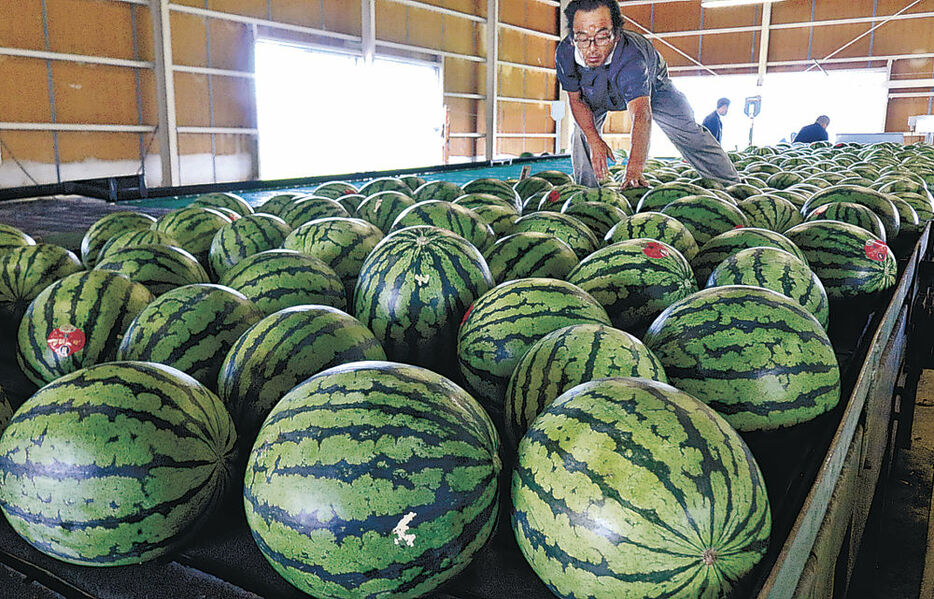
x=601, y=39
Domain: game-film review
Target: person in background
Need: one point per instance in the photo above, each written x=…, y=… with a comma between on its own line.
x=816, y=131
x=603, y=67
x=713, y=122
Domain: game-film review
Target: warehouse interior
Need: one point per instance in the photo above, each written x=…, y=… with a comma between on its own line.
x=157, y=107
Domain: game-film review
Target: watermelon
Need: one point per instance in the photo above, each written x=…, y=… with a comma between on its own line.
x=568, y=229
x=24, y=272
x=530, y=186
x=557, y=196
x=661, y=195
x=334, y=190
x=159, y=267
x=351, y=202
x=115, y=464
x=742, y=191
x=282, y=350
x=598, y=216
x=230, y=201
x=77, y=322
x=848, y=212
x=193, y=228
x=658, y=226
x=133, y=239
x=603, y=195
x=635, y=280
x=726, y=244
x=190, y=328
x=103, y=230
x=627, y=487
x=278, y=279
x=384, y=184
x=413, y=290
x=870, y=198
x=633, y=195
x=556, y=178
x=705, y=217
x=276, y=203
x=341, y=243
x=413, y=181
x=529, y=255
x=777, y=270
x=783, y=180
x=908, y=219
x=443, y=191
x=499, y=214
x=922, y=205
x=849, y=260
x=445, y=215
x=382, y=209
x=245, y=237
x=311, y=208
x=11, y=237
x=567, y=357
x=6, y=411
x=506, y=321
x=755, y=356
x=494, y=187
x=373, y=479
x=765, y=211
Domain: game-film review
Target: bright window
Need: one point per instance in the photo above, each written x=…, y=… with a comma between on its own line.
x=323, y=112
x=855, y=101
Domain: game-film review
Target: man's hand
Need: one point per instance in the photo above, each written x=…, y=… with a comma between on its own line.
x=599, y=152
x=633, y=177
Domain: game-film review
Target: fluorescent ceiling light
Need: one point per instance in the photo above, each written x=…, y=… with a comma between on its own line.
x=720, y=3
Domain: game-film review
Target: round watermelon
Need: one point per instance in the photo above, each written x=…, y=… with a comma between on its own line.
x=530, y=186
x=373, y=479
x=309, y=208
x=382, y=209
x=243, y=238
x=658, y=226
x=442, y=191
x=25, y=271
x=600, y=217
x=848, y=212
x=529, y=255
x=384, y=184
x=278, y=202
x=770, y=212
x=193, y=228
x=445, y=215
x=159, y=267
x=104, y=229
x=134, y=239
x=726, y=244
x=229, y=201
x=705, y=217
x=568, y=229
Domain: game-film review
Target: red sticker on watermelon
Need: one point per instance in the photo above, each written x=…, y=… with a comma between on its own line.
x=876, y=250
x=66, y=340
x=553, y=196
x=349, y=192
x=467, y=314
x=656, y=250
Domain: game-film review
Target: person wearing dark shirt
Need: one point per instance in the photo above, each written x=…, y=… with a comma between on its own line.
x=603, y=67
x=713, y=123
x=816, y=131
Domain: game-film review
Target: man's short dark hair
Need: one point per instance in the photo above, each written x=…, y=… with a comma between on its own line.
x=723, y=102
x=589, y=5
x=823, y=119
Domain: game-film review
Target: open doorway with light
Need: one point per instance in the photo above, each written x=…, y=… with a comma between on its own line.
x=322, y=112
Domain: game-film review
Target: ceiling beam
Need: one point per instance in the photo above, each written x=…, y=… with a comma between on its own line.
x=764, y=42
x=492, y=76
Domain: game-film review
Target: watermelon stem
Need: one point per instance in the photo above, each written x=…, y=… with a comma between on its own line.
x=710, y=556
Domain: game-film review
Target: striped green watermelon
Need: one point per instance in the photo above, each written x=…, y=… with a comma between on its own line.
x=443, y=191
x=190, y=328
x=6, y=411
x=529, y=255
x=530, y=186
x=908, y=219
x=413, y=181
x=115, y=464
x=413, y=290
x=382, y=209
x=798, y=199
x=755, y=356
x=494, y=211
x=282, y=350
x=445, y=215
x=567, y=357
x=600, y=217
x=870, y=198
x=848, y=212
x=705, y=217
x=341, y=243
x=134, y=239
x=192, y=228
x=351, y=202
x=160, y=268
x=783, y=180
x=766, y=211
x=603, y=195
x=311, y=208
x=103, y=230
x=76, y=322
x=557, y=196
x=334, y=190
x=384, y=184
x=11, y=237
x=245, y=237
x=658, y=226
x=661, y=195
x=230, y=201
x=494, y=187
x=278, y=279
x=373, y=479
x=635, y=280
x=742, y=191
x=506, y=321
x=777, y=270
x=726, y=244
x=556, y=178
x=276, y=203
x=27, y=270
x=922, y=204
x=849, y=260
x=630, y=488
x=568, y=229
x=633, y=195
